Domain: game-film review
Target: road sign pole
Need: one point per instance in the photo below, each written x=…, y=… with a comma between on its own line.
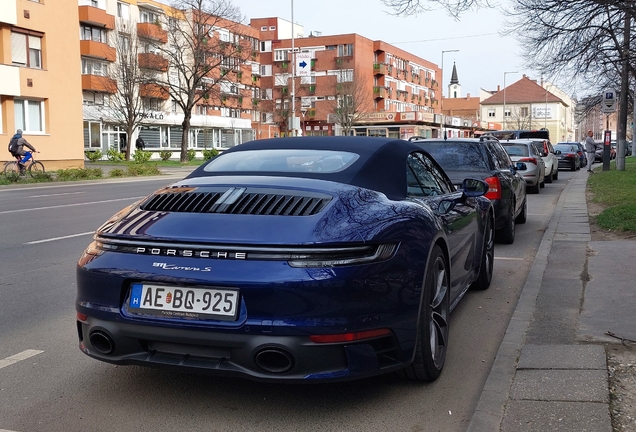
x=607, y=143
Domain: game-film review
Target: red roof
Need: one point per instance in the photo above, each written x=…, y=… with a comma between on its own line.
x=523, y=91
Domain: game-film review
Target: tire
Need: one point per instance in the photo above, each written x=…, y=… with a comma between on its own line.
x=522, y=217
x=534, y=189
x=573, y=167
x=555, y=176
x=11, y=169
x=487, y=258
x=432, y=334
x=507, y=233
x=35, y=169
x=549, y=177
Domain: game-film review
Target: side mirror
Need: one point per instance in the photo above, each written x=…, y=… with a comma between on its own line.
x=474, y=187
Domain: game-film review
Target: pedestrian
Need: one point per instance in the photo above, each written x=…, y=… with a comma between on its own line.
x=590, y=149
x=140, y=144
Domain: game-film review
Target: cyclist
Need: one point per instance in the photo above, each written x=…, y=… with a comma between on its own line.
x=16, y=148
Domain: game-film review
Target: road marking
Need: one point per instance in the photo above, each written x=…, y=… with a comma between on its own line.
x=71, y=205
x=18, y=357
x=509, y=259
x=58, y=238
x=57, y=194
x=6, y=430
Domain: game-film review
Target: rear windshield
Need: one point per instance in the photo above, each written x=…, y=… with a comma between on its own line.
x=516, y=149
x=457, y=156
x=282, y=160
x=565, y=147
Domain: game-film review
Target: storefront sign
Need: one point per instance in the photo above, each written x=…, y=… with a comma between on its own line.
x=154, y=115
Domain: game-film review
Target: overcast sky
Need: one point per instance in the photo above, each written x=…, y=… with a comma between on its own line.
x=483, y=55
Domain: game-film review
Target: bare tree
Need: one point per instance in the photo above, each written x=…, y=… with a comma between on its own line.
x=454, y=7
x=352, y=98
x=125, y=76
x=204, y=50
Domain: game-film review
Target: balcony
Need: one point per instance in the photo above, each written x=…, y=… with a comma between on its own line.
x=311, y=113
x=152, y=61
x=379, y=68
x=152, y=31
x=96, y=16
x=99, y=84
x=379, y=92
x=98, y=50
x=153, y=91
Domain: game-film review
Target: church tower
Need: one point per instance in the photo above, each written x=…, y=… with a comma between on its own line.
x=454, y=88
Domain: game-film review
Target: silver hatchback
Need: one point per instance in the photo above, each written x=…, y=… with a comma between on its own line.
x=528, y=153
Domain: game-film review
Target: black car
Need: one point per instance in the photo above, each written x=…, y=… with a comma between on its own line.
x=568, y=155
x=485, y=159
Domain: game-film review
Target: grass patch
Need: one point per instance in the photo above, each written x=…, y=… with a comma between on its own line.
x=71, y=174
x=161, y=163
x=616, y=190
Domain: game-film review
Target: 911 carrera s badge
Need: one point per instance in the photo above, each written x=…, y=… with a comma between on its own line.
x=167, y=266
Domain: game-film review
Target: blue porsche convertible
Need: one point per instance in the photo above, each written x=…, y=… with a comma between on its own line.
x=298, y=259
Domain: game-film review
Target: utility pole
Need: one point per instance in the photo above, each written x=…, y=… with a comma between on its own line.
x=622, y=112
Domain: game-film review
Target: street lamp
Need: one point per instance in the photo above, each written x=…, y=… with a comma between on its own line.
x=504, y=97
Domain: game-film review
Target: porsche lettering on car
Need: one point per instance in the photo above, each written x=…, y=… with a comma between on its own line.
x=308, y=259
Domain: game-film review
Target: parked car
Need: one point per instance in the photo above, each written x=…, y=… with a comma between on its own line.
x=526, y=151
x=300, y=259
x=550, y=159
x=485, y=158
x=600, y=148
x=582, y=154
x=568, y=155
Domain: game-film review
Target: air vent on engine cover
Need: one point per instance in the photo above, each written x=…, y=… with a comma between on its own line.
x=237, y=200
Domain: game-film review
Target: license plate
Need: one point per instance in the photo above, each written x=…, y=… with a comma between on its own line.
x=178, y=302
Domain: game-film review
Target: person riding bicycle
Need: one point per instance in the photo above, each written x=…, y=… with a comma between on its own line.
x=16, y=148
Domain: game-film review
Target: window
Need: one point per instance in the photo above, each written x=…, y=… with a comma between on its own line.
x=146, y=16
x=29, y=115
x=95, y=34
x=93, y=98
x=507, y=112
x=345, y=50
x=263, y=28
x=94, y=67
x=124, y=43
x=524, y=111
x=152, y=104
x=280, y=55
x=491, y=112
x=123, y=11
x=26, y=50
x=423, y=178
x=272, y=27
x=345, y=75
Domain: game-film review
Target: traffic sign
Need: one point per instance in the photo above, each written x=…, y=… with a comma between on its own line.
x=609, y=101
x=303, y=64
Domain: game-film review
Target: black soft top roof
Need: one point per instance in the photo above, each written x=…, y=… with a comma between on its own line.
x=381, y=165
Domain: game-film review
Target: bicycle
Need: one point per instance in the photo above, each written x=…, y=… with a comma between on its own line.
x=33, y=167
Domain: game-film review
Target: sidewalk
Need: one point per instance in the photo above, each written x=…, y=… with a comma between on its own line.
x=550, y=372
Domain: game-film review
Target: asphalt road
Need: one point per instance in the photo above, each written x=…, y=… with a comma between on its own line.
x=48, y=385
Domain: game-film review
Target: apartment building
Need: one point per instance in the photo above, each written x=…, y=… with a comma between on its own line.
x=40, y=89
x=394, y=93
x=221, y=119
x=526, y=104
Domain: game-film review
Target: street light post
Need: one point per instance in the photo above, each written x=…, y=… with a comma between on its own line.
x=504, y=98
x=442, y=77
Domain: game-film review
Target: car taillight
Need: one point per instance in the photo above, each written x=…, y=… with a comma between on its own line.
x=529, y=159
x=494, y=188
x=349, y=337
x=569, y=156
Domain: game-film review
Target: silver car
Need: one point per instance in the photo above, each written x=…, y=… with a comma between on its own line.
x=527, y=151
